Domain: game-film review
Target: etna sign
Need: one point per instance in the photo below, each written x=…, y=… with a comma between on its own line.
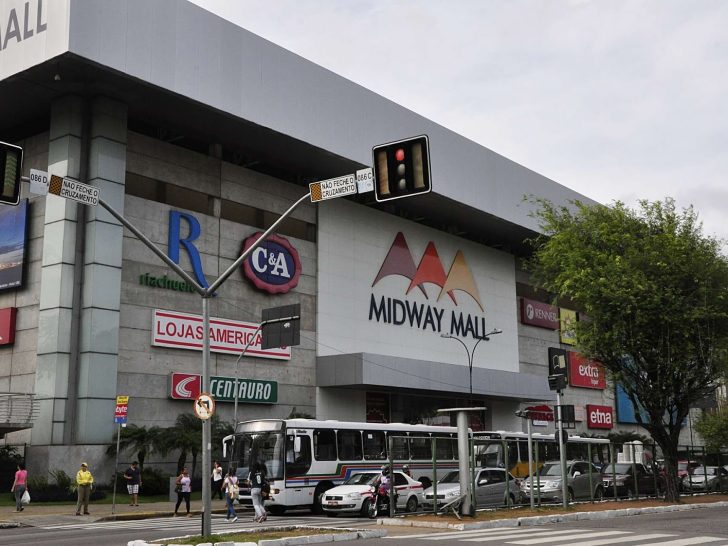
x=599, y=416
x=585, y=373
x=536, y=313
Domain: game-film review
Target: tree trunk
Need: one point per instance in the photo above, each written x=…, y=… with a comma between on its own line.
x=672, y=491
x=181, y=461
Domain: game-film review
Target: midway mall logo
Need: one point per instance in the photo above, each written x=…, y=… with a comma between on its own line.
x=394, y=311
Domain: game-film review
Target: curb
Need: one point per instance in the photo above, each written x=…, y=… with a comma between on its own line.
x=147, y=515
x=553, y=518
x=350, y=534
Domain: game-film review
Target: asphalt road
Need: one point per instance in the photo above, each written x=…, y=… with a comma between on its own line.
x=118, y=533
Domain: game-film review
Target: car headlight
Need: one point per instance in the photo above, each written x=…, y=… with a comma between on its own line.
x=353, y=496
x=451, y=494
x=555, y=483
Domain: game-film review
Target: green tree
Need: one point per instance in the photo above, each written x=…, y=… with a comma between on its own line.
x=654, y=292
x=186, y=437
x=713, y=427
x=139, y=439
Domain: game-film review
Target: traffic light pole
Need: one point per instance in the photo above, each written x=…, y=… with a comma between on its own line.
x=206, y=294
x=562, y=452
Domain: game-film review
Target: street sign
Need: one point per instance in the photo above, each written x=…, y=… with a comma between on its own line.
x=38, y=182
x=204, y=406
x=74, y=190
x=365, y=180
x=122, y=406
x=332, y=188
x=281, y=333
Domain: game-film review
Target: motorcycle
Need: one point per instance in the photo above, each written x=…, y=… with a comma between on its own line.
x=378, y=502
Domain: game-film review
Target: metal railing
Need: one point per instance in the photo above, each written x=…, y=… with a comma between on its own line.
x=17, y=411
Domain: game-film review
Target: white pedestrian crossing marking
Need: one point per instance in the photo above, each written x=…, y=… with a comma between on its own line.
x=546, y=540
x=687, y=541
x=620, y=540
x=547, y=532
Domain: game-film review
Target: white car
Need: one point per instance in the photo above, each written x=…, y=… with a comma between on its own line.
x=353, y=494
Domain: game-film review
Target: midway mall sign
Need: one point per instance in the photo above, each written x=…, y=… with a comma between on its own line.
x=184, y=331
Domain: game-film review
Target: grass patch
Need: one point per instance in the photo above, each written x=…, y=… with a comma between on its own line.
x=251, y=536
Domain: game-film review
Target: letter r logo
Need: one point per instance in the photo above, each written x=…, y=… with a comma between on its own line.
x=174, y=242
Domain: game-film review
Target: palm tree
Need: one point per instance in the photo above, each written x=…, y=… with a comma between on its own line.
x=142, y=440
x=186, y=436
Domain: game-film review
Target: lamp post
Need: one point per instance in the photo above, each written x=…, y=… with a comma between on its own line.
x=526, y=414
x=470, y=353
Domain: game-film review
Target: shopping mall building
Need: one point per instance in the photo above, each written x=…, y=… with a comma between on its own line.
x=202, y=134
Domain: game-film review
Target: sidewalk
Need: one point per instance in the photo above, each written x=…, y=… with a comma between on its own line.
x=47, y=514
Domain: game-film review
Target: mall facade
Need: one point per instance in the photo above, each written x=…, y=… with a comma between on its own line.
x=202, y=134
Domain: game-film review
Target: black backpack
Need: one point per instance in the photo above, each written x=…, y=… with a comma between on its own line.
x=265, y=489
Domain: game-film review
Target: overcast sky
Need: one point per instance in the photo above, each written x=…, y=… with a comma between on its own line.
x=617, y=99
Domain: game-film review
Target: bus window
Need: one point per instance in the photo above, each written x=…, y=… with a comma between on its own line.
x=374, y=445
x=400, y=449
x=444, y=447
x=298, y=461
x=324, y=445
x=349, y=443
x=421, y=448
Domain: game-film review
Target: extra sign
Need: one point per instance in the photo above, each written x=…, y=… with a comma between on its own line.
x=333, y=187
x=122, y=406
x=187, y=386
x=184, y=331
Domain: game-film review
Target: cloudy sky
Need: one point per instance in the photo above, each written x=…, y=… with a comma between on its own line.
x=617, y=99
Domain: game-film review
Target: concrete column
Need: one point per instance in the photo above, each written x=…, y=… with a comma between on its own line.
x=100, y=298
x=55, y=315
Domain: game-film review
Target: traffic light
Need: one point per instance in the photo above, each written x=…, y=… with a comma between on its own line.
x=401, y=168
x=11, y=165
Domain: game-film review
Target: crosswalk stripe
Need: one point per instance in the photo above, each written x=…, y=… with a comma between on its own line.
x=531, y=533
x=620, y=540
x=686, y=541
x=546, y=540
x=456, y=534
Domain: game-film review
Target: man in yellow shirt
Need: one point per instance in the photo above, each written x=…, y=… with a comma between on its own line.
x=84, y=479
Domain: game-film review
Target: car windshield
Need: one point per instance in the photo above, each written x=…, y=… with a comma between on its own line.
x=550, y=469
x=361, y=479
x=700, y=471
x=451, y=477
x=617, y=469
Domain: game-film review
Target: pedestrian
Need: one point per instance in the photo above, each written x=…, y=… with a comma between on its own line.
x=217, y=481
x=257, y=479
x=84, y=481
x=133, y=477
x=20, y=486
x=183, y=491
x=230, y=485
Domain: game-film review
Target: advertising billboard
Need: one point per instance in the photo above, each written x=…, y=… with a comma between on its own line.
x=537, y=313
x=585, y=373
x=13, y=241
x=599, y=416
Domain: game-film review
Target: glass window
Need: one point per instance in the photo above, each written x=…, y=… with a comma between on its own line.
x=349, y=444
x=260, y=447
x=400, y=448
x=421, y=448
x=324, y=445
x=374, y=445
x=496, y=476
x=399, y=479
x=297, y=462
x=444, y=447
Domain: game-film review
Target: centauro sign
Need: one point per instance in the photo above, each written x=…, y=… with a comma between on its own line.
x=186, y=386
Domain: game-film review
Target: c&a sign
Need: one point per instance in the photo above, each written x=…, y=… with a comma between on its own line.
x=274, y=266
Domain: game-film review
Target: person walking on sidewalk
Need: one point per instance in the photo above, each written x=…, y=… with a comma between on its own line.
x=19, y=486
x=84, y=481
x=231, y=495
x=257, y=479
x=217, y=481
x=183, y=489
x=133, y=477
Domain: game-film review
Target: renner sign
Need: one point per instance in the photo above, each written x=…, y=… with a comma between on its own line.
x=586, y=373
x=599, y=416
x=536, y=313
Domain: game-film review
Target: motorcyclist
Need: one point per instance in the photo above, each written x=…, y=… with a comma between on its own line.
x=406, y=470
x=383, y=482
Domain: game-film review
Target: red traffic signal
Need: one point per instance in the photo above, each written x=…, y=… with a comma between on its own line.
x=401, y=168
x=11, y=166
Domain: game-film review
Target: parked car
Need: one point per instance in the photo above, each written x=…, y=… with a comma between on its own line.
x=631, y=479
x=353, y=495
x=548, y=486
x=705, y=479
x=490, y=488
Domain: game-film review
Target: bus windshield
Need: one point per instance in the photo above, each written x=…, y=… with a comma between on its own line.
x=260, y=447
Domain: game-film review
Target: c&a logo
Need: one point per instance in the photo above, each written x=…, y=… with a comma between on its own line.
x=274, y=266
x=430, y=270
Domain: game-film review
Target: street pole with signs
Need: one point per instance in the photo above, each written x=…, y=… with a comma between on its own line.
x=120, y=417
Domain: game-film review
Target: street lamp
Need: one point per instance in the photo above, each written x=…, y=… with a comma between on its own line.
x=470, y=353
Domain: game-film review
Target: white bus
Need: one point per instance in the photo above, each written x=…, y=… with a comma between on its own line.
x=306, y=457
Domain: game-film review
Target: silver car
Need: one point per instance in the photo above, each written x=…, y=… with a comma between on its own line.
x=549, y=486
x=490, y=488
x=708, y=478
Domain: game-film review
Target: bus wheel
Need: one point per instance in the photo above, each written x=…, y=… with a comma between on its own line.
x=277, y=510
x=425, y=481
x=318, y=496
